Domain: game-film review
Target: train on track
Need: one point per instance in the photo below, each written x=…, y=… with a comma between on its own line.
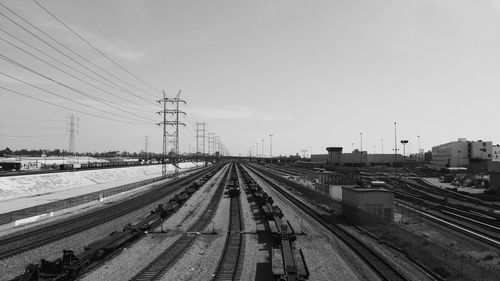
x=288, y=262
x=72, y=265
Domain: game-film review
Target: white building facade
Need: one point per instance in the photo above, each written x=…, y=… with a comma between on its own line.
x=460, y=153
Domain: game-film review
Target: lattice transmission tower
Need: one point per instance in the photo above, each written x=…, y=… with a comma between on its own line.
x=175, y=112
x=200, y=137
x=74, y=126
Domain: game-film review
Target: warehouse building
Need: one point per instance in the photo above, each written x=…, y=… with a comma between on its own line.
x=462, y=153
x=357, y=158
x=357, y=200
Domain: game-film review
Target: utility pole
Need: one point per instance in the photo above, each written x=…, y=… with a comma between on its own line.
x=146, y=146
x=200, y=137
x=404, y=142
x=382, y=151
x=74, y=127
x=270, y=145
x=262, y=148
x=395, y=146
x=175, y=112
x=361, y=147
x=419, y=156
x=304, y=153
x=216, y=144
x=211, y=143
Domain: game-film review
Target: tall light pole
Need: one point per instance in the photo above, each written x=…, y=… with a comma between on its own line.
x=271, y=145
x=361, y=148
x=404, y=142
x=257, y=149
x=262, y=148
x=419, y=156
x=382, y=151
x=395, y=145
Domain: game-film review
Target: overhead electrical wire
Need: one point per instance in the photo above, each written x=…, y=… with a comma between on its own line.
x=68, y=108
x=91, y=45
x=69, y=49
x=68, y=66
x=113, y=84
x=66, y=86
x=79, y=79
x=31, y=136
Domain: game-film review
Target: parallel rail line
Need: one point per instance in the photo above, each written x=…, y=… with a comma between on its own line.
x=234, y=247
x=14, y=244
x=160, y=265
x=380, y=265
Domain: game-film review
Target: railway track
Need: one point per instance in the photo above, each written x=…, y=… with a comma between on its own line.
x=380, y=265
x=17, y=243
x=165, y=260
x=477, y=225
x=230, y=262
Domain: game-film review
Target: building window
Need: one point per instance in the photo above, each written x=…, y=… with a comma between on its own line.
x=484, y=144
x=489, y=155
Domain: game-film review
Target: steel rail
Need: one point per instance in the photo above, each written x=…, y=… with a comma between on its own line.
x=160, y=265
x=380, y=265
x=21, y=242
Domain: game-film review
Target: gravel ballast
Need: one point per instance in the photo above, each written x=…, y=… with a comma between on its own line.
x=130, y=261
x=326, y=256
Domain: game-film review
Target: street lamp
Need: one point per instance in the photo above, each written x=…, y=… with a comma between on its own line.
x=270, y=145
x=404, y=142
x=419, y=156
x=262, y=148
x=361, y=150
x=382, y=152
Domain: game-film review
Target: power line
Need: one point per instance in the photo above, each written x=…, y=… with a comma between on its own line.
x=91, y=45
x=68, y=108
x=66, y=65
x=66, y=86
x=69, y=49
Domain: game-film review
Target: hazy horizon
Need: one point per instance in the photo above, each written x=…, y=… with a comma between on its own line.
x=313, y=74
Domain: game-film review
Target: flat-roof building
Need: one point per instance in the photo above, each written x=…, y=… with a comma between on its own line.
x=376, y=201
x=461, y=153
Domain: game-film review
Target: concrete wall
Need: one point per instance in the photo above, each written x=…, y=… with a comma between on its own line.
x=452, y=154
x=481, y=150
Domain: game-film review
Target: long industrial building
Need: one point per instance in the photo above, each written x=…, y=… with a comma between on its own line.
x=357, y=158
x=462, y=153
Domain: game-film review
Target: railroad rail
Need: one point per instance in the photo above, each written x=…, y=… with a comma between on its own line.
x=20, y=242
x=479, y=225
x=155, y=269
x=379, y=264
x=230, y=263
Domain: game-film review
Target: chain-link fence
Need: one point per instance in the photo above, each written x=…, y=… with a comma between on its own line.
x=442, y=259
x=45, y=209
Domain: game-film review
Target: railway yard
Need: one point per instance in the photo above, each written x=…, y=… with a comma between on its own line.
x=246, y=221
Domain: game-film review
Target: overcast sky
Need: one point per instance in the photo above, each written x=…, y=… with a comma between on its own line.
x=312, y=73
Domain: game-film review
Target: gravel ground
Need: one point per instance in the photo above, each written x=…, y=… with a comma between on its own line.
x=130, y=261
x=397, y=259
x=255, y=253
x=11, y=267
x=251, y=257
x=201, y=260
x=326, y=257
